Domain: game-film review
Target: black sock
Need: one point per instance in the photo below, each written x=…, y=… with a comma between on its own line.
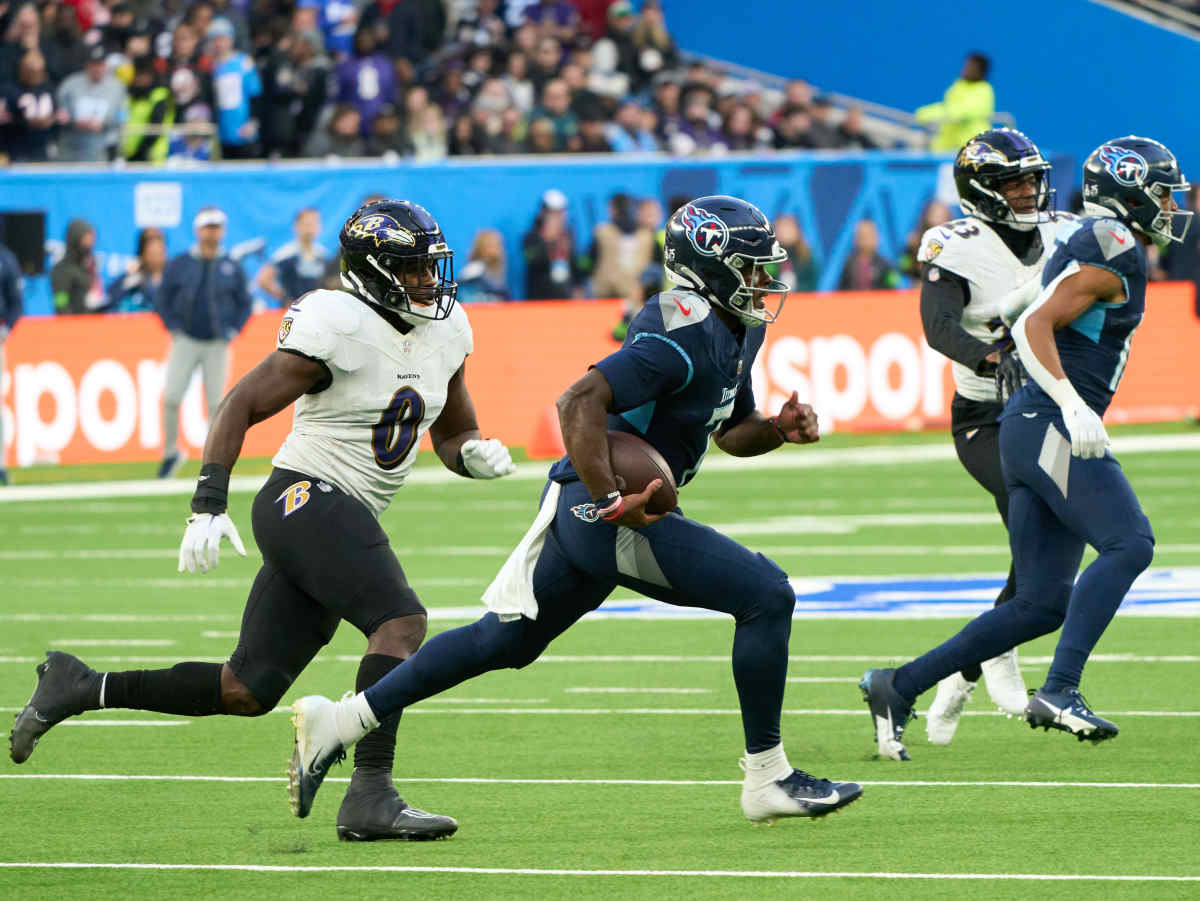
x=377, y=748
x=190, y=689
x=973, y=672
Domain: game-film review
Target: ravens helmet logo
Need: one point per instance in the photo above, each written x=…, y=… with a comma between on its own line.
x=380, y=227
x=977, y=154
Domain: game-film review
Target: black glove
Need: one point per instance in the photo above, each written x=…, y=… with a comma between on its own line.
x=1010, y=376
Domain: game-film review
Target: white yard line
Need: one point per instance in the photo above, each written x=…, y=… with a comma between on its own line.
x=583, y=690
x=676, y=783
x=531, y=871
x=611, y=658
x=109, y=642
x=890, y=455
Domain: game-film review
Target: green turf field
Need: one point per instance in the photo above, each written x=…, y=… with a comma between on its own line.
x=609, y=768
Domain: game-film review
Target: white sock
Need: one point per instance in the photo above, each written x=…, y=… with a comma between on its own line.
x=765, y=767
x=354, y=718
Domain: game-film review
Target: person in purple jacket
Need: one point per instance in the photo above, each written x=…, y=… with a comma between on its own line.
x=366, y=79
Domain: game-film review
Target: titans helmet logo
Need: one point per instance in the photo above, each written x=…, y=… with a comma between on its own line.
x=380, y=227
x=708, y=234
x=977, y=154
x=1126, y=166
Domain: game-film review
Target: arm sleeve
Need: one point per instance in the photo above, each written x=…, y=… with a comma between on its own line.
x=943, y=296
x=649, y=367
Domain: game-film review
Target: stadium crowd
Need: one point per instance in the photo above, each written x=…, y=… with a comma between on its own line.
x=97, y=80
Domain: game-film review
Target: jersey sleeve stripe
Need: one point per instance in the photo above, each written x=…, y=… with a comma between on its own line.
x=691, y=371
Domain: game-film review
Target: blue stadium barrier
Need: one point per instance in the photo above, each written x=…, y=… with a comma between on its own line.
x=828, y=193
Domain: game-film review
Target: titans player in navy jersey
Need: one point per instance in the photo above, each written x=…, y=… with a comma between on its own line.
x=682, y=376
x=1065, y=489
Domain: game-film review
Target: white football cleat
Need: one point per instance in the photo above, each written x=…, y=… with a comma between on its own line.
x=797, y=795
x=1005, y=685
x=317, y=747
x=941, y=720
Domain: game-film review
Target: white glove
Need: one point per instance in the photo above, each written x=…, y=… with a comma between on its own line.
x=1088, y=437
x=202, y=541
x=487, y=459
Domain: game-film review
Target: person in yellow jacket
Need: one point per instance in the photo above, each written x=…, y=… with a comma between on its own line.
x=150, y=103
x=966, y=108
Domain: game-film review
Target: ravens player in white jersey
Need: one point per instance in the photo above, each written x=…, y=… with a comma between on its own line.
x=1066, y=491
x=370, y=370
x=970, y=265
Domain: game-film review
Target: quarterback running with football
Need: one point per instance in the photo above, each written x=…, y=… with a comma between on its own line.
x=370, y=369
x=1065, y=489
x=681, y=377
x=970, y=267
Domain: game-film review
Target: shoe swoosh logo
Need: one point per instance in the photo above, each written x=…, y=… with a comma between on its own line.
x=686, y=311
x=832, y=798
x=315, y=768
x=1029, y=415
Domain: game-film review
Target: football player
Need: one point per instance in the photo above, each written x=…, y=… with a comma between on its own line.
x=970, y=266
x=1065, y=489
x=681, y=377
x=370, y=369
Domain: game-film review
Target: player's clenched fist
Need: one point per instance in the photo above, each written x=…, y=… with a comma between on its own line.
x=487, y=458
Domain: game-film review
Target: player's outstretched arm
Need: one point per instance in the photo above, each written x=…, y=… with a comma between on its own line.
x=583, y=416
x=1034, y=336
x=795, y=423
x=269, y=387
x=457, y=439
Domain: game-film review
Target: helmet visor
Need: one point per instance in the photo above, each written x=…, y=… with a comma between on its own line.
x=759, y=299
x=422, y=285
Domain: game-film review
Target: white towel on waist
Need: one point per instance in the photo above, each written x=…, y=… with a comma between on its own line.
x=511, y=591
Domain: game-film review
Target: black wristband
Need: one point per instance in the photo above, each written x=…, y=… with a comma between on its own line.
x=212, y=490
x=460, y=465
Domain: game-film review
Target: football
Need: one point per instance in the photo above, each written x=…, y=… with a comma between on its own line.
x=635, y=464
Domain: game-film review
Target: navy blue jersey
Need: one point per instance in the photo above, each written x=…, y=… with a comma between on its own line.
x=1095, y=347
x=680, y=375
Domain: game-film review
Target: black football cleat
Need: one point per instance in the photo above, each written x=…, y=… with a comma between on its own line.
x=1068, y=712
x=890, y=713
x=66, y=686
x=373, y=811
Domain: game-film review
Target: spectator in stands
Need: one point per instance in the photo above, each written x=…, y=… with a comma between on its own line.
x=965, y=110
x=934, y=213
x=414, y=27
x=618, y=44
x=185, y=52
x=585, y=103
x=821, y=133
x=237, y=89
x=75, y=279
x=296, y=267
x=655, y=48
x=850, y=132
x=24, y=33
x=793, y=130
x=626, y=133
x=551, y=267
x=697, y=132
x=481, y=26
x=295, y=87
x=540, y=137
x=151, y=107
x=1183, y=260
x=204, y=303
x=338, y=22
x=480, y=65
x=466, y=138
x=592, y=137
x=341, y=137
x=366, y=80
x=742, y=132
x=450, y=94
x=593, y=16
x=800, y=272
x=545, y=62
x=866, y=269
x=553, y=18
x=388, y=138
x=192, y=110
x=429, y=138
x=516, y=79
x=93, y=104
x=28, y=111
x=137, y=290
x=483, y=278
x=64, y=48
x=556, y=108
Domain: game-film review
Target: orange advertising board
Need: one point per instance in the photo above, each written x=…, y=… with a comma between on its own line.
x=89, y=388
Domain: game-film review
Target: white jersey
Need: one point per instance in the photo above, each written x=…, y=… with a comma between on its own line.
x=972, y=250
x=361, y=432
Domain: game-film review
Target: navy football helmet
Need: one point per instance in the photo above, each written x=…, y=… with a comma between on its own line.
x=1132, y=178
x=987, y=161
x=720, y=247
x=395, y=256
